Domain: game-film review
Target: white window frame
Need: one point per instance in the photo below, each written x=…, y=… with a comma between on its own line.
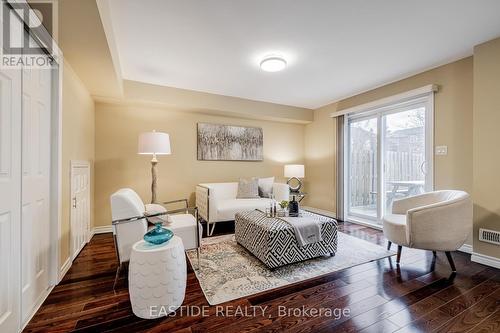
x=378, y=109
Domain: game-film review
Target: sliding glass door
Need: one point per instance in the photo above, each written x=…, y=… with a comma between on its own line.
x=363, y=171
x=389, y=157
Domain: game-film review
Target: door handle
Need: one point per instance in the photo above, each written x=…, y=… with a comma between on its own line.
x=74, y=202
x=423, y=167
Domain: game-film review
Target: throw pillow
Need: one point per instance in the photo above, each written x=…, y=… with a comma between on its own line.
x=248, y=188
x=266, y=187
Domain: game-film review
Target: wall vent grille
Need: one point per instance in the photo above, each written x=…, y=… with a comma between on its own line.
x=489, y=236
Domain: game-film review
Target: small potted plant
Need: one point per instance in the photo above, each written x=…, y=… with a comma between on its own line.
x=283, y=205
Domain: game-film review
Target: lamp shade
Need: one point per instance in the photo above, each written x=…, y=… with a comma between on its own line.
x=154, y=143
x=294, y=170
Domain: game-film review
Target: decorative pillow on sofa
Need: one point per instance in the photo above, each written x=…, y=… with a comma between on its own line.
x=248, y=188
x=266, y=187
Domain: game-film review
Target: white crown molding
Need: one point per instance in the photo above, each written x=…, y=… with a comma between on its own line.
x=485, y=260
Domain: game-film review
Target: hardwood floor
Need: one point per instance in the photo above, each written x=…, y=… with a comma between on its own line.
x=419, y=296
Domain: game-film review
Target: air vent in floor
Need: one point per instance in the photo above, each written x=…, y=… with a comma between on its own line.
x=489, y=236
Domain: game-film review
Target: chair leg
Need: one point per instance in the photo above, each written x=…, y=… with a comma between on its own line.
x=198, y=256
x=389, y=243
x=450, y=260
x=210, y=231
x=117, y=274
x=398, y=257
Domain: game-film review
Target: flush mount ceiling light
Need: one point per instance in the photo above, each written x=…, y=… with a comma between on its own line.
x=273, y=63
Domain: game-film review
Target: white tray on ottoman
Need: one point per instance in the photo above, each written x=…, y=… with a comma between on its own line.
x=273, y=241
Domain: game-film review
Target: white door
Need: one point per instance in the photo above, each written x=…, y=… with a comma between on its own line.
x=10, y=190
x=80, y=206
x=36, y=165
x=10, y=198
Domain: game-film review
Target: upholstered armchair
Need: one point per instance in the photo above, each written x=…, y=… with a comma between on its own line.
x=435, y=221
x=130, y=222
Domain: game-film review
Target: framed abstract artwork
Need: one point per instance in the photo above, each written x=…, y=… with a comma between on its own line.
x=229, y=143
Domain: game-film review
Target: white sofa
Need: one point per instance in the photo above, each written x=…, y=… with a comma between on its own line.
x=217, y=202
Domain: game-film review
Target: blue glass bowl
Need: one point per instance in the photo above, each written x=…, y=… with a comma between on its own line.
x=158, y=235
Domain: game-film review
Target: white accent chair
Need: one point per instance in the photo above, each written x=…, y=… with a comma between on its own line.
x=436, y=221
x=130, y=222
x=217, y=202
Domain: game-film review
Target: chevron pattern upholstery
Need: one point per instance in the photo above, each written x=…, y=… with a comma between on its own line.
x=273, y=241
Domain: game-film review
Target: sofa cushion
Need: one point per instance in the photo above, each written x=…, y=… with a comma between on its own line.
x=266, y=187
x=226, y=209
x=248, y=188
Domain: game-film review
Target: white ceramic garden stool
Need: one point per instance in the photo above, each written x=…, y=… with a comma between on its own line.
x=157, y=278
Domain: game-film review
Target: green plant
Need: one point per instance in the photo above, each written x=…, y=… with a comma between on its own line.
x=284, y=204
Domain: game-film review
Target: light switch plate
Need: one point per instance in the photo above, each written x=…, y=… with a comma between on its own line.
x=441, y=150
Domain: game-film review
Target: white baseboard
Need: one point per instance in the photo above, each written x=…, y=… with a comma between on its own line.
x=37, y=306
x=466, y=248
x=485, y=260
x=101, y=230
x=319, y=211
x=64, y=268
x=68, y=262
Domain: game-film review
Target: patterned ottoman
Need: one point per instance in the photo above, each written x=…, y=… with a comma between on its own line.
x=273, y=241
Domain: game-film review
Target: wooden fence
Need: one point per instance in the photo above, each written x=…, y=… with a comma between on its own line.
x=399, y=166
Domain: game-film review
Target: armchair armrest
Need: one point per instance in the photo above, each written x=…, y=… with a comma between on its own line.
x=186, y=210
x=176, y=201
x=402, y=206
x=159, y=208
x=442, y=226
x=146, y=215
x=202, y=201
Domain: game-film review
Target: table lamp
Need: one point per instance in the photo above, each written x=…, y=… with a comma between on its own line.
x=294, y=172
x=154, y=143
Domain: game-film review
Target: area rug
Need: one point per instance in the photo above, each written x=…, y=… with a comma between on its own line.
x=228, y=271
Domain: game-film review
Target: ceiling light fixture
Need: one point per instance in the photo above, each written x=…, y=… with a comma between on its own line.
x=273, y=63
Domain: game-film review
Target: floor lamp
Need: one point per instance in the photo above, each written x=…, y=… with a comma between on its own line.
x=154, y=143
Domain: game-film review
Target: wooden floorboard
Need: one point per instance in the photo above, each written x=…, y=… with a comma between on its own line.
x=421, y=295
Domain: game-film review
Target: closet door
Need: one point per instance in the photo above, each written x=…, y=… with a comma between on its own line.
x=10, y=196
x=35, y=211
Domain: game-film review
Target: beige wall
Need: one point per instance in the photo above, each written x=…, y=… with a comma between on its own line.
x=486, y=143
x=78, y=144
x=453, y=119
x=118, y=165
x=320, y=154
